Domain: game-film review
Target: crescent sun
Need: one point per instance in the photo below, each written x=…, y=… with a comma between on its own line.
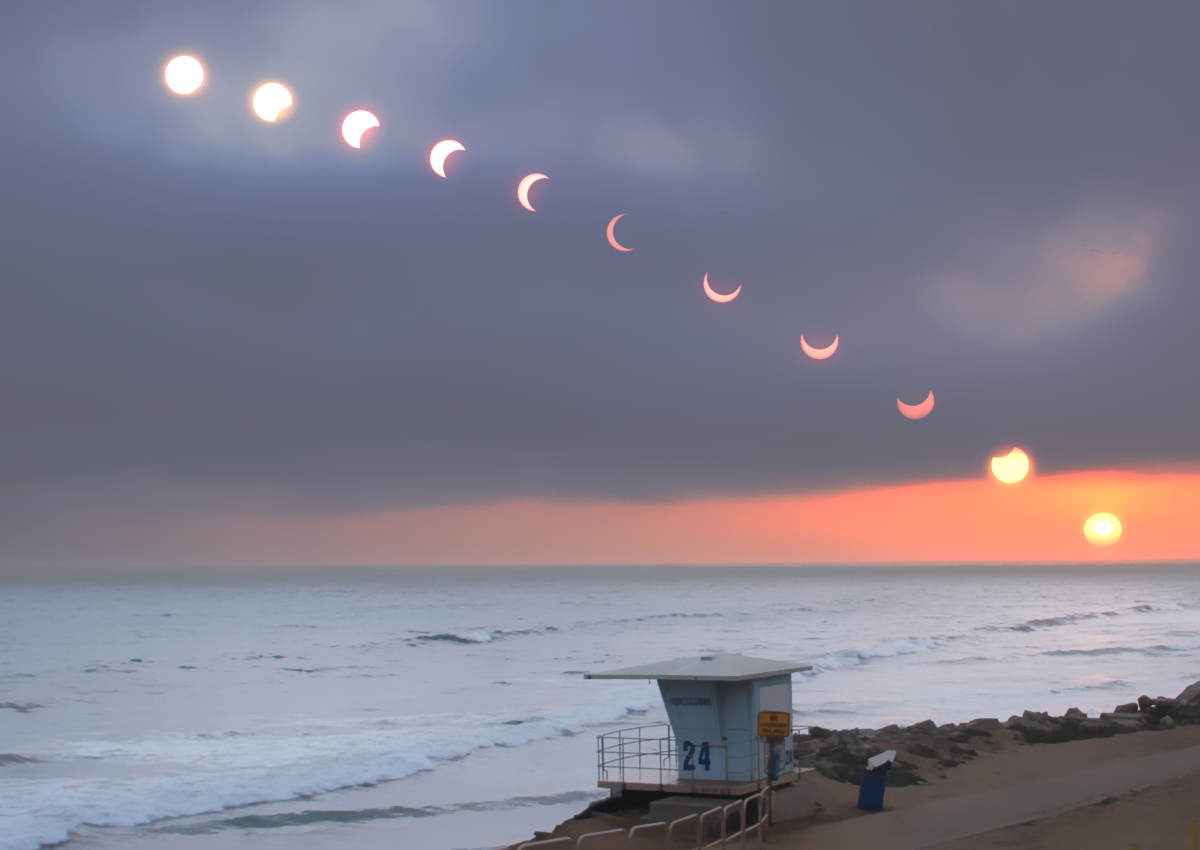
x=717, y=296
x=612, y=239
x=439, y=152
x=523, y=189
x=356, y=124
x=915, y=411
x=819, y=353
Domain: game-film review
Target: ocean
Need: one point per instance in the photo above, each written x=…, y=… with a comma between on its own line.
x=446, y=709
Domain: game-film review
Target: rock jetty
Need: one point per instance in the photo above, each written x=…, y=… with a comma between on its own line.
x=925, y=749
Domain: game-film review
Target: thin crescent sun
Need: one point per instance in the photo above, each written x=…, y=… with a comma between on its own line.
x=523, y=189
x=719, y=297
x=819, y=353
x=612, y=239
x=439, y=152
x=915, y=411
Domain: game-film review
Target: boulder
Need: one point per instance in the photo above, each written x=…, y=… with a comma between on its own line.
x=984, y=723
x=1095, y=727
x=1074, y=714
x=1037, y=727
x=1125, y=708
x=1144, y=702
x=1166, y=722
x=1190, y=694
x=1127, y=719
x=1188, y=714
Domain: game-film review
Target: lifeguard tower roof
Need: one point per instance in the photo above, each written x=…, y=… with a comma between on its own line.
x=726, y=667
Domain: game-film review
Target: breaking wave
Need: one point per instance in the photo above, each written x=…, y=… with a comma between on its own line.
x=1158, y=649
x=1079, y=616
x=211, y=773
x=472, y=636
x=843, y=658
x=16, y=758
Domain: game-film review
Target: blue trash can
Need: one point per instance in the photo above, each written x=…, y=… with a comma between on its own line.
x=870, y=790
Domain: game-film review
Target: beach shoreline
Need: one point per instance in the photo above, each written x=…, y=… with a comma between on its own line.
x=1033, y=781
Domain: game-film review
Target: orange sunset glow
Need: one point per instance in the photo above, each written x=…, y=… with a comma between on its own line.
x=938, y=521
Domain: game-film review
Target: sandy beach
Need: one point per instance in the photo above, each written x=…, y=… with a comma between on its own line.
x=1118, y=812
x=1141, y=788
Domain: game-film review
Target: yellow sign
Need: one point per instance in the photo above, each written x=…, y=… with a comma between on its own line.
x=774, y=724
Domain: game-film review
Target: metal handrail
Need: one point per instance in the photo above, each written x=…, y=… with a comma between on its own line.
x=636, y=831
x=562, y=843
x=759, y=827
x=586, y=839
x=649, y=754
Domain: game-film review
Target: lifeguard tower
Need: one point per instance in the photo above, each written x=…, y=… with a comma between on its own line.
x=729, y=730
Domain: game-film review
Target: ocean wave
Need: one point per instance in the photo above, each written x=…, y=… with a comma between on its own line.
x=671, y=615
x=472, y=636
x=314, y=816
x=666, y=615
x=213, y=772
x=17, y=758
x=1157, y=649
x=844, y=658
x=1079, y=616
x=972, y=659
x=21, y=707
x=457, y=637
x=1107, y=685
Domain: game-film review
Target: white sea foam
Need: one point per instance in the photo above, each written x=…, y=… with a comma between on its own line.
x=213, y=771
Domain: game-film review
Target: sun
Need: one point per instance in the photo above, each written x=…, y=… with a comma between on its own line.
x=271, y=101
x=184, y=75
x=1102, y=529
x=1011, y=468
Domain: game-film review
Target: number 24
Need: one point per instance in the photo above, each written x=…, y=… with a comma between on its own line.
x=689, y=750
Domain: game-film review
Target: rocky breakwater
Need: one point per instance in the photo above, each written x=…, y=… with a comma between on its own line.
x=925, y=750
x=1037, y=727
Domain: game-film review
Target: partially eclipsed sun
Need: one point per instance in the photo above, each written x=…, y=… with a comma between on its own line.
x=915, y=411
x=612, y=238
x=720, y=297
x=819, y=353
x=356, y=124
x=439, y=152
x=523, y=189
x=270, y=101
x=1012, y=467
x=1102, y=529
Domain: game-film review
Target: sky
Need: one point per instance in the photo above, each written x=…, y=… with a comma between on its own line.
x=230, y=342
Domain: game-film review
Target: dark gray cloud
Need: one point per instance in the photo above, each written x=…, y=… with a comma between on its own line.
x=200, y=310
